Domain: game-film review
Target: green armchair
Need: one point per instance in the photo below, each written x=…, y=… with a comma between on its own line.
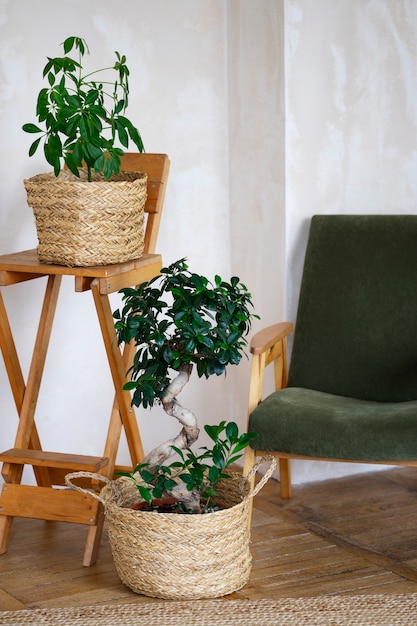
x=351, y=389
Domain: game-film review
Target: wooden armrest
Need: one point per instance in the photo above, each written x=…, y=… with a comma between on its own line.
x=266, y=338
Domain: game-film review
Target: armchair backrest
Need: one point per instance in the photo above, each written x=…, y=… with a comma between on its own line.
x=356, y=326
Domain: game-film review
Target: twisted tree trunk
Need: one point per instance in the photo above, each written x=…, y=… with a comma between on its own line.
x=187, y=436
x=189, y=432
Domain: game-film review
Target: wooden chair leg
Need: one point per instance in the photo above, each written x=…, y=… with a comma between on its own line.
x=285, y=478
x=249, y=460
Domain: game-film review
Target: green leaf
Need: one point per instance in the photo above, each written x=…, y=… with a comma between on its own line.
x=207, y=341
x=108, y=169
x=53, y=149
x=169, y=484
x=218, y=458
x=145, y=493
x=72, y=125
x=167, y=354
x=85, y=135
x=214, y=474
x=34, y=146
x=92, y=151
x=214, y=431
x=244, y=441
x=92, y=96
x=131, y=384
x=74, y=101
x=136, y=138
x=232, y=459
x=99, y=163
x=232, y=431
x=147, y=475
x=187, y=479
x=119, y=107
x=71, y=165
x=68, y=44
x=77, y=154
x=124, y=139
x=31, y=128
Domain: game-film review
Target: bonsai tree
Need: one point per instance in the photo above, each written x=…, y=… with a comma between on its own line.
x=180, y=322
x=83, y=114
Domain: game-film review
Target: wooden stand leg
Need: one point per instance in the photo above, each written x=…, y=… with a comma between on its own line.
x=17, y=383
x=5, y=528
x=27, y=435
x=27, y=414
x=92, y=544
x=118, y=371
x=122, y=413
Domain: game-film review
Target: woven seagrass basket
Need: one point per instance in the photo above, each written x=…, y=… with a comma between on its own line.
x=81, y=223
x=170, y=556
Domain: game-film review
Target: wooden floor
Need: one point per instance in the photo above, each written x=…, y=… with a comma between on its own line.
x=349, y=536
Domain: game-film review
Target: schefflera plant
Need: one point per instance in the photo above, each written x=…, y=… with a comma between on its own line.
x=181, y=322
x=83, y=114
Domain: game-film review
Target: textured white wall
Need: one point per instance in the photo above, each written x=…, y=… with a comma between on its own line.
x=351, y=124
x=270, y=111
x=256, y=156
x=179, y=58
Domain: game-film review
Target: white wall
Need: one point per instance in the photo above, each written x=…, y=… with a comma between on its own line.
x=351, y=124
x=270, y=110
x=256, y=144
x=179, y=56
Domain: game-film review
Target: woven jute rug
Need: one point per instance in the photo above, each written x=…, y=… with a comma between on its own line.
x=378, y=610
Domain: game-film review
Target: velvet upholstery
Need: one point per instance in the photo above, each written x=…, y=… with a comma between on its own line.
x=352, y=386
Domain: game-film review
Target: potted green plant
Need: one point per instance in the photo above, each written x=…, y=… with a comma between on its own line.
x=180, y=323
x=82, y=125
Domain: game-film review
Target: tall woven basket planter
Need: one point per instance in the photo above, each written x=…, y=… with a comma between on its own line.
x=170, y=556
x=81, y=223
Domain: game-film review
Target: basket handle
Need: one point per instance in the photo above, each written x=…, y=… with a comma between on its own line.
x=265, y=477
x=70, y=477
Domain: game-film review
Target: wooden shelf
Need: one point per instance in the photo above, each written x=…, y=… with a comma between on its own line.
x=41, y=458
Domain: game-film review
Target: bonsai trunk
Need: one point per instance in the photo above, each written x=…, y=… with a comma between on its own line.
x=189, y=432
x=187, y=436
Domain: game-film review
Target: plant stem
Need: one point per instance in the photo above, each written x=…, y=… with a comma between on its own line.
x=189, y=432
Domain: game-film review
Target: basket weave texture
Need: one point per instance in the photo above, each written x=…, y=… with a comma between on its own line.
x=81, y=223
x=174, y=556
x=165, y=555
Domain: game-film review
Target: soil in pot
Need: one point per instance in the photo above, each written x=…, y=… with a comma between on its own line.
x=171, y=505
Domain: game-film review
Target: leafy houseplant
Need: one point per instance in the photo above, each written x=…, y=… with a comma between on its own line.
x=181, y=321
x=83, y=114
x=82, y=122
x=178, y=323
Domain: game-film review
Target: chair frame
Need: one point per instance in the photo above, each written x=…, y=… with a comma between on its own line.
x=269, y=347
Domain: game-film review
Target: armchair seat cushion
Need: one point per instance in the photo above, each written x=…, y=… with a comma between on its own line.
x=316, y=424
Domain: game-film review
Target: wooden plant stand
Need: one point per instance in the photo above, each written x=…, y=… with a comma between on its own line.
x=44, y=500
